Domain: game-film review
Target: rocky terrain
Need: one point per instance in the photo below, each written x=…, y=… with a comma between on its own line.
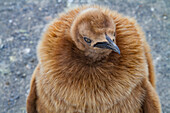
x=23, y=21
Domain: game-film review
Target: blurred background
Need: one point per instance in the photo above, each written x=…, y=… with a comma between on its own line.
x=23, y=21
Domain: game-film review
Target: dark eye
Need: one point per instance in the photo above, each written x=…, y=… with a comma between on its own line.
x=87, y=39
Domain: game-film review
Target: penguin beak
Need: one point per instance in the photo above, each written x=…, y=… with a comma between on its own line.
x=108, y=45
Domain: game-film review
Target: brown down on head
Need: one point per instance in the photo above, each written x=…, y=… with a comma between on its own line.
x=94, y=25
x=84, y=67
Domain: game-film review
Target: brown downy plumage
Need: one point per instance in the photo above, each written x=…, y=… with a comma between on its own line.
x=93, y=60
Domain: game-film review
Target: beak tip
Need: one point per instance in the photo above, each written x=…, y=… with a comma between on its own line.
x=118, y=51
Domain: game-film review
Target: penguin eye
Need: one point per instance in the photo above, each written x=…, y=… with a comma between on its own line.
x=87, y=39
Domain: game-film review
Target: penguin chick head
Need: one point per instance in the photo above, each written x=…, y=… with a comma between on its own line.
x=94, y=33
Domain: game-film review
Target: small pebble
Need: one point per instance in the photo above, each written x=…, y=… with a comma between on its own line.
x=29, y=18
x=15, y=79
x=23, y=38
x=17, y=97
x=25, y=9
x=12, y=58
x=10, y=21
x=2, y=46
x=10, y=39
x=32, y=60
x=28, y=66
x=27, y=50
x=21, y=31
x=70, y=1
x=18, y=73
x=165, y=17
x=14, y=23
x=7, y=83
x=23, y=75
x=5, y=73
x=40, y=9
x=152, y=9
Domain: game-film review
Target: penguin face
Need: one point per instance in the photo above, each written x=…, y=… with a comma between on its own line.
x=105, y=39
x=92, y=30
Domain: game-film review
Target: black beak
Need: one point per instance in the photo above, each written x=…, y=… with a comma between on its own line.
x=108, y=45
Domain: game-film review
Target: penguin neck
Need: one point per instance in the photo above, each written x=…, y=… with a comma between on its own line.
x=96, y=56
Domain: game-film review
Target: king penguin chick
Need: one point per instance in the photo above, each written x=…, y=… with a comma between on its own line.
x=93, y=60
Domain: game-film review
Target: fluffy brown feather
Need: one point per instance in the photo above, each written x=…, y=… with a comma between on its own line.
x=74, y=78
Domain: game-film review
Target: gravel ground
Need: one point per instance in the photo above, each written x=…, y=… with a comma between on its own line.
x=22, y=23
